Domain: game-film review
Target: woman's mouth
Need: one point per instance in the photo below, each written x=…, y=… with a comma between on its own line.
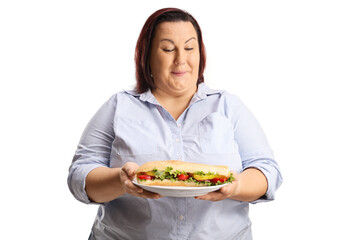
x=178, y=73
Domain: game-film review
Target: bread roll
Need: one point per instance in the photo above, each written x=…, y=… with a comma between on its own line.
x=183, y=167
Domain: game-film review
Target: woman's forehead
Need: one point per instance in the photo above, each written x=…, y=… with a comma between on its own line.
x=179, y=30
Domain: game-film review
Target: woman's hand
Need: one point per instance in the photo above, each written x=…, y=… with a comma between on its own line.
x=224, y=192
x=249, y=185
x=127, y=173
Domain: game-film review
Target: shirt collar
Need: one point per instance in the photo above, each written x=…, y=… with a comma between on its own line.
x=145, y=97
x=203, y=92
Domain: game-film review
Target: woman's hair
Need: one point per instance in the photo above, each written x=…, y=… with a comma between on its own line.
x=144, y=80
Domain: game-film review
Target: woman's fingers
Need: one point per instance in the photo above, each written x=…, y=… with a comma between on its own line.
x=129, y=168
x=127, y=173
x=221, y=194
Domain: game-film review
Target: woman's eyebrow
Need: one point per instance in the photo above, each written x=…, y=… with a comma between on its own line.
x=165, y=39
x=169, y=40
x=190, y=39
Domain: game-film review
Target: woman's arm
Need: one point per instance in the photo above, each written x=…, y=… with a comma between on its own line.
x=90, y=177
x=251, y=184
x=104, y=184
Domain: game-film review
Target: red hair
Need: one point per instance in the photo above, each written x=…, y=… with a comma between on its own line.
x=144, y=80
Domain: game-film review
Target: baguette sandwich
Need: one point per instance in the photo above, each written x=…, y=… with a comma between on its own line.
x=179, y=173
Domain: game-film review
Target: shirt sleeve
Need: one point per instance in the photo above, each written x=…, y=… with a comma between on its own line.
x=253, y=146
x=93, y=149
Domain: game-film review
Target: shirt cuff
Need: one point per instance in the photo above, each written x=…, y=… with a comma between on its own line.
x=77, y=181
x=273, y=178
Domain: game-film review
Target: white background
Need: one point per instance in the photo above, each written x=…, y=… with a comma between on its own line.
x=295, y=64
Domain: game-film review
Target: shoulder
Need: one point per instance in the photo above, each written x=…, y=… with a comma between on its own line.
x=231, y=98
x=122, y=95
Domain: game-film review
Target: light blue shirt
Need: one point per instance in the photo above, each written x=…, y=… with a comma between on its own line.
x=216, y=128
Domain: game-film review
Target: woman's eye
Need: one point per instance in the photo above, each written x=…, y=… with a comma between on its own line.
x=189, y=49
x=168, y=50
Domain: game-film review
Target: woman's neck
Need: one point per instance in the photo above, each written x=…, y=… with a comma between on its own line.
x=174, y=104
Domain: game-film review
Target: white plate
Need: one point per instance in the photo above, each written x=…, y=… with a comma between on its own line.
x=177, y=191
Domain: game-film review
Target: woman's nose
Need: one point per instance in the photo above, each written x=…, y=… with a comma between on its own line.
x=180, y=57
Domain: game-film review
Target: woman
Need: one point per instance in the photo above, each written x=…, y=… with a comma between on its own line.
x=172, y=114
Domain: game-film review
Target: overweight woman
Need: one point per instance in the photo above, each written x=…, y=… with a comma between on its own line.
x=172, y=115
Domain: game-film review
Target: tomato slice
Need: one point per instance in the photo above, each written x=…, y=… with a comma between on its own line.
x=146, y=177
x=215, y=180
x=182, y=177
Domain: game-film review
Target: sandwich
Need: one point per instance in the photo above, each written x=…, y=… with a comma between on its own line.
x=185, y=174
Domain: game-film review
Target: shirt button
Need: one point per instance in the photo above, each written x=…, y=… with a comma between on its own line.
x=177, y=139
x=181, y=217
x=178, y=124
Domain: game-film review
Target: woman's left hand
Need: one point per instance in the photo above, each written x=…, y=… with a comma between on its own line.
x=225, y=192
x=249, y=185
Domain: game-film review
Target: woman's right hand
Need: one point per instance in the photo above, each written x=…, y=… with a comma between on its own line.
x=127, y=173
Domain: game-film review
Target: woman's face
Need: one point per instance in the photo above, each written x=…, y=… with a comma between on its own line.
x=175, y=58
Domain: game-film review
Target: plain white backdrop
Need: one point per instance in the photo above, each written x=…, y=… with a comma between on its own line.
x=295, y=64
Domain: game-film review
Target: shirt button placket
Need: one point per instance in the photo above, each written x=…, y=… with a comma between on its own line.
x=178, y=143
x=181, y=222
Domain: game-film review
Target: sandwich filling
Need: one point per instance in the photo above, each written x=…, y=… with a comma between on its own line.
x=199, y=177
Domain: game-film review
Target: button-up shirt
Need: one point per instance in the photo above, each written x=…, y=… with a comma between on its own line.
x=216, y=128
